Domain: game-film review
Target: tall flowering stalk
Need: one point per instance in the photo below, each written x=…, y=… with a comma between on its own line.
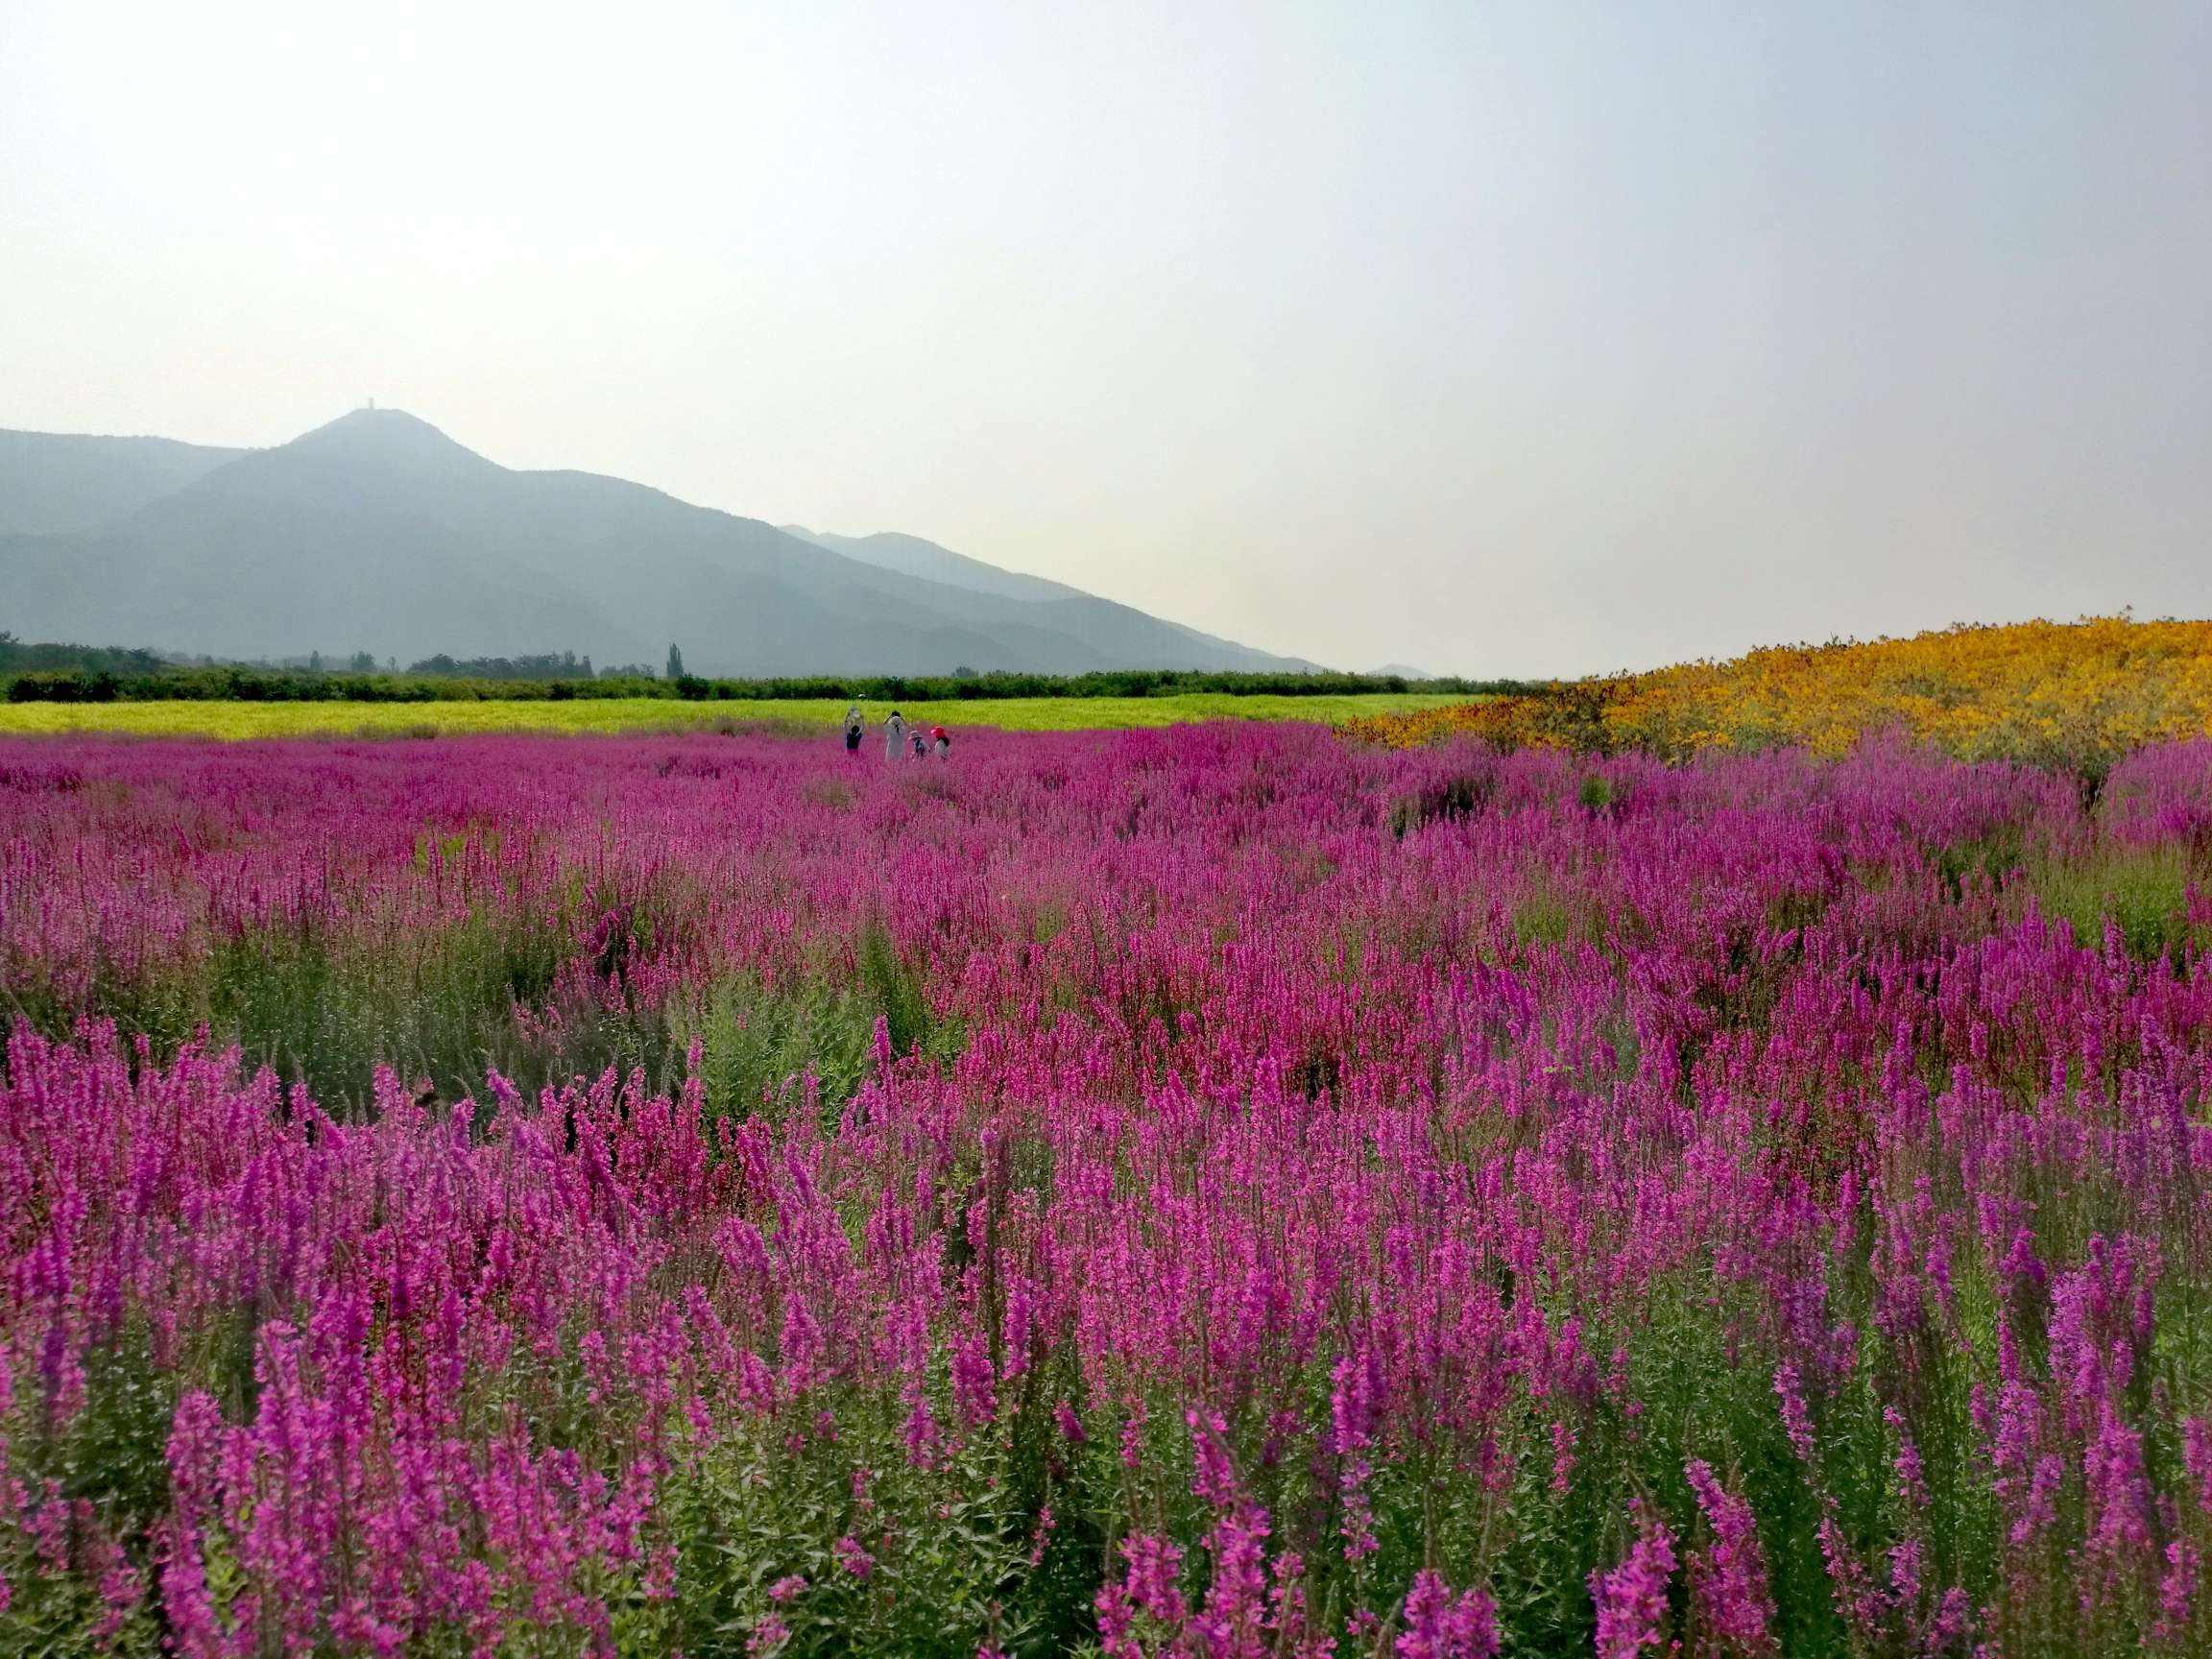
x=1631, y=1598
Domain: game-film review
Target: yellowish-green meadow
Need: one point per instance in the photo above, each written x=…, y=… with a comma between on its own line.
x=234, y=720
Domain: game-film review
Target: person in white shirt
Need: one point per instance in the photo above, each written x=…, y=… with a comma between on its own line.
x=894, y=735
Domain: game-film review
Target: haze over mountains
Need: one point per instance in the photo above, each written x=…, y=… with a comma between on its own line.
x=379, y=532
x=53, y=482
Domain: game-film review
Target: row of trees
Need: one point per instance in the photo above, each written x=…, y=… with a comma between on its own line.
x=24, y=657
x=545, y=665
x=95, y=674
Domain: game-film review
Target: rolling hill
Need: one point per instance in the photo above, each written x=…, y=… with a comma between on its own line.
x=50, y=482
x=912, y=556
x=1101, y=623
x=378, y=532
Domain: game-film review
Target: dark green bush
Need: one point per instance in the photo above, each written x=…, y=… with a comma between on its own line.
x=84, y=674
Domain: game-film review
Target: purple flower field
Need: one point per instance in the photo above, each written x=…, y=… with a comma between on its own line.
x=1219, y=1193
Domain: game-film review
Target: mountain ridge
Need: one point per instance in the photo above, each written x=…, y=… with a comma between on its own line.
x=378, y=531
x=66, y=481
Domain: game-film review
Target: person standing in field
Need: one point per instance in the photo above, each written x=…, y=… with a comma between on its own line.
x=941, y=741
x=921, y=751
x=853, y=730
x=894, y=735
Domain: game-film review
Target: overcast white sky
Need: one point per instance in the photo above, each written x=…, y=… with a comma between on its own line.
x=1488, y=337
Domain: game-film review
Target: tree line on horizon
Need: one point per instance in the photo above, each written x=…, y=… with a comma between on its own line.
x=47, y=672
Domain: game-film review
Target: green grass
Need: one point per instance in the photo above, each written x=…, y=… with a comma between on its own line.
x=2145, y=891
x=232, y=720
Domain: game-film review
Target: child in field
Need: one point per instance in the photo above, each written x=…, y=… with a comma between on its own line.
x=853, y=730
x=919, y=753
x=894, y=735
x=941, y=740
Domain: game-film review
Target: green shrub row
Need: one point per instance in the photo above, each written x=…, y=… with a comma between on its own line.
x=244, y=684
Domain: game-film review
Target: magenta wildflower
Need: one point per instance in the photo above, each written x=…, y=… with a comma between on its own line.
x=1796, y=1417
x=974, y=1390
x=1437, y=1624
x=1728, y=1575
x=1631, y=1598
x=1214, y=1480
x=2177, y=1590
x=2197, y=1457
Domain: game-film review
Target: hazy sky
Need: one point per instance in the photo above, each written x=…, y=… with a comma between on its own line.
x=1493, y=338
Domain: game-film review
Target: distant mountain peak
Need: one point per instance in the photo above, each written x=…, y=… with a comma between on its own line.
x=371, y=418
x=387, y=452
x=378, y=532
x=392, y=430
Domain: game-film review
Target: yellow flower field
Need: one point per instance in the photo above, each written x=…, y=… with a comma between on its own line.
x=218, y=720
x=2073, y=694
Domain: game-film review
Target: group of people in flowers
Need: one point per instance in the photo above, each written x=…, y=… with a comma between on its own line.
x=899, y=740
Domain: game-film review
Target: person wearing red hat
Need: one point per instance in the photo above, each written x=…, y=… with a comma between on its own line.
x=941, y=740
